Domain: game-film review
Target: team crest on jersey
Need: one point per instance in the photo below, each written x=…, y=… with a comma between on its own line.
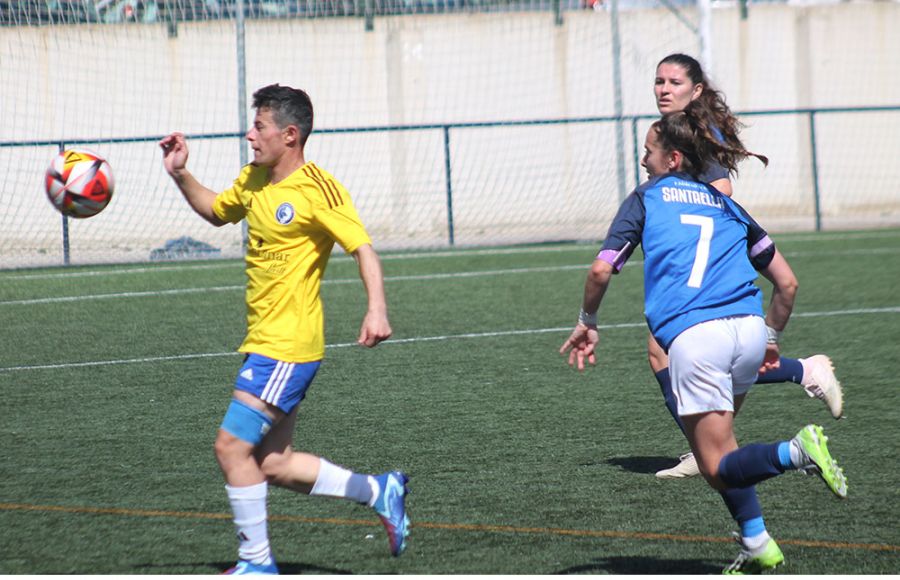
x=285, y=213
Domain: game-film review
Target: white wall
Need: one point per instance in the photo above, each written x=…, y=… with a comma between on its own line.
x=510, y=184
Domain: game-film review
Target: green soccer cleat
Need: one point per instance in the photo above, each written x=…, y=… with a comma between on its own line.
x=756, y=562
x=813, y=444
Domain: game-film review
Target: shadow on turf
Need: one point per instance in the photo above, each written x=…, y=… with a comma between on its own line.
x=643, y=464
x=635, y=565
x=219, y=567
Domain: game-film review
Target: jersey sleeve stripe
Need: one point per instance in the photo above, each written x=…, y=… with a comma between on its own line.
x=760, y=246
x=335, y=192
x=320, y=186
x=615, y=258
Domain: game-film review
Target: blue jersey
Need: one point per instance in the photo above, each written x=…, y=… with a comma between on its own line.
x=701, y=253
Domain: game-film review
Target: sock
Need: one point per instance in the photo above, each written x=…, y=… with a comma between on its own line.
x=248, y=505
x=750, y=465
x=665, y=385
x=743, y=504
x=334, y=481
x=756, y=542
x=789, y=371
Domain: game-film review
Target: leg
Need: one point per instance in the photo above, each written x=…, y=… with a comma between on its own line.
x=815, y=374
x=313, y=475
x=659, y=363
x=712, y=438
x=242, y=431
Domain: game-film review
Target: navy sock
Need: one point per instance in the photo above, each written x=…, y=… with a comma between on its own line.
x=750, y=465
x=743, y=504
x=789, y=371
x=665, y=385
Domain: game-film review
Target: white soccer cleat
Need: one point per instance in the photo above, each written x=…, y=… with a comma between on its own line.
x=687, y=467
x=819, y=382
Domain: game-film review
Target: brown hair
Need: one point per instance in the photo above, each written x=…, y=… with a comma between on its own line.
x=710, y=105
x=689, y=132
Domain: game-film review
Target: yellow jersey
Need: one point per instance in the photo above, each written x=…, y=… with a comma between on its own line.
x=292, y=227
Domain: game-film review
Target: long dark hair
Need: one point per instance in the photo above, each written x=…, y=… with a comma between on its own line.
x=688, y=131
x=710, y=105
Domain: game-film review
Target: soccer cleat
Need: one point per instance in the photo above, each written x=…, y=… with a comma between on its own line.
x=816, y=459
x=819, y=382
x=246, y=567
x=687, y=467
x=390, y=505
x=755, y=561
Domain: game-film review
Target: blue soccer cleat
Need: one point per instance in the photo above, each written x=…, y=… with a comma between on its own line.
x=390, y=505
x=246, y=567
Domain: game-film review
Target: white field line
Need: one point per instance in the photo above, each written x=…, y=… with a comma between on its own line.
x=237, y=264
x=417, y=340
x=446, y=276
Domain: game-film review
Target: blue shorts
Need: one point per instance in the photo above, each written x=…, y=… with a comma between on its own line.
x=278, y=383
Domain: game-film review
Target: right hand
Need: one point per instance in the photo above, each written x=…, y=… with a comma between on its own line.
x=580, y=345
x=175, y=153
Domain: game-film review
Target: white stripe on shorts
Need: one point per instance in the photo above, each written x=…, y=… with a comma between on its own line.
x=277, y=382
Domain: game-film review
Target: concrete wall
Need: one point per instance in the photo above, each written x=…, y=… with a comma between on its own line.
x=510, y=184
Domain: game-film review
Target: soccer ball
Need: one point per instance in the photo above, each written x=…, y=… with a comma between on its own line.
x=79, y=183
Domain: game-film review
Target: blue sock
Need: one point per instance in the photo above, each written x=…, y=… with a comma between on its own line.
x=665, y=385
x=789, y=371
x=784, y=455
x=743, y=504
x=750, y=465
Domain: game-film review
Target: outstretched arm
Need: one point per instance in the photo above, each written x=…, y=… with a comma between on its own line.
x=200, y=198
x=375, y=326
x=584, y=337
x=780, y=306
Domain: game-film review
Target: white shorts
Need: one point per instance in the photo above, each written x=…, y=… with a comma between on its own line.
x=713, y=361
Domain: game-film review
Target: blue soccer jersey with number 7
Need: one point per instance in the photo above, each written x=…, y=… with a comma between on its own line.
x=701, y=253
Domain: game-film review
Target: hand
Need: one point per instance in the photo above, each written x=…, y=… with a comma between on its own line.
x=175, y=153
x=582, y=342
x=375, y=329
x=772, y=358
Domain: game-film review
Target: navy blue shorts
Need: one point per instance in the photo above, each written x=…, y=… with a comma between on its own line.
x=278, y=383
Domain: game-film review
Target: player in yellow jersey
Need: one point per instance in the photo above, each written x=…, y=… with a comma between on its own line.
x=295, y=213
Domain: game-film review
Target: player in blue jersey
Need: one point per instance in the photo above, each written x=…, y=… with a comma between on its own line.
x=702, y=252
x=295, y=213
x=680, y=81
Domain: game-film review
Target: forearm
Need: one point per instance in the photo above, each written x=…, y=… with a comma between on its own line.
x=372, y=277
x=199, y=197
x=784, y=292
x=595, y=286
x=780, y=308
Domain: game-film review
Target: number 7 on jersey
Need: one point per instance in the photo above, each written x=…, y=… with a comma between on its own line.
x=701, y=257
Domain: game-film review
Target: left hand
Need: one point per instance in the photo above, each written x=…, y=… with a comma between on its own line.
x=582, y=342
x=375, y=328
x=772, y=358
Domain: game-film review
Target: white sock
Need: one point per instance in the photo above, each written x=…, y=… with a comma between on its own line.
x=757, y=542
x=335, y=481
x=250, y=520
x=798, y=456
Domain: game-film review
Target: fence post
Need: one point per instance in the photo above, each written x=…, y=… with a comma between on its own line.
x=449, y=184
x=65, y=223
x=815, y=169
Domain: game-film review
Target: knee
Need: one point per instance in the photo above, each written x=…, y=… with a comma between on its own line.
x=227, y=447
x=275, y=467
x=711, y=474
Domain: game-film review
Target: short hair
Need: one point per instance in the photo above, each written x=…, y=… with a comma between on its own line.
x=289, y=106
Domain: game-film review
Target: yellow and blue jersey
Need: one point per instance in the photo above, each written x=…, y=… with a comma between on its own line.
x=292, y=226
